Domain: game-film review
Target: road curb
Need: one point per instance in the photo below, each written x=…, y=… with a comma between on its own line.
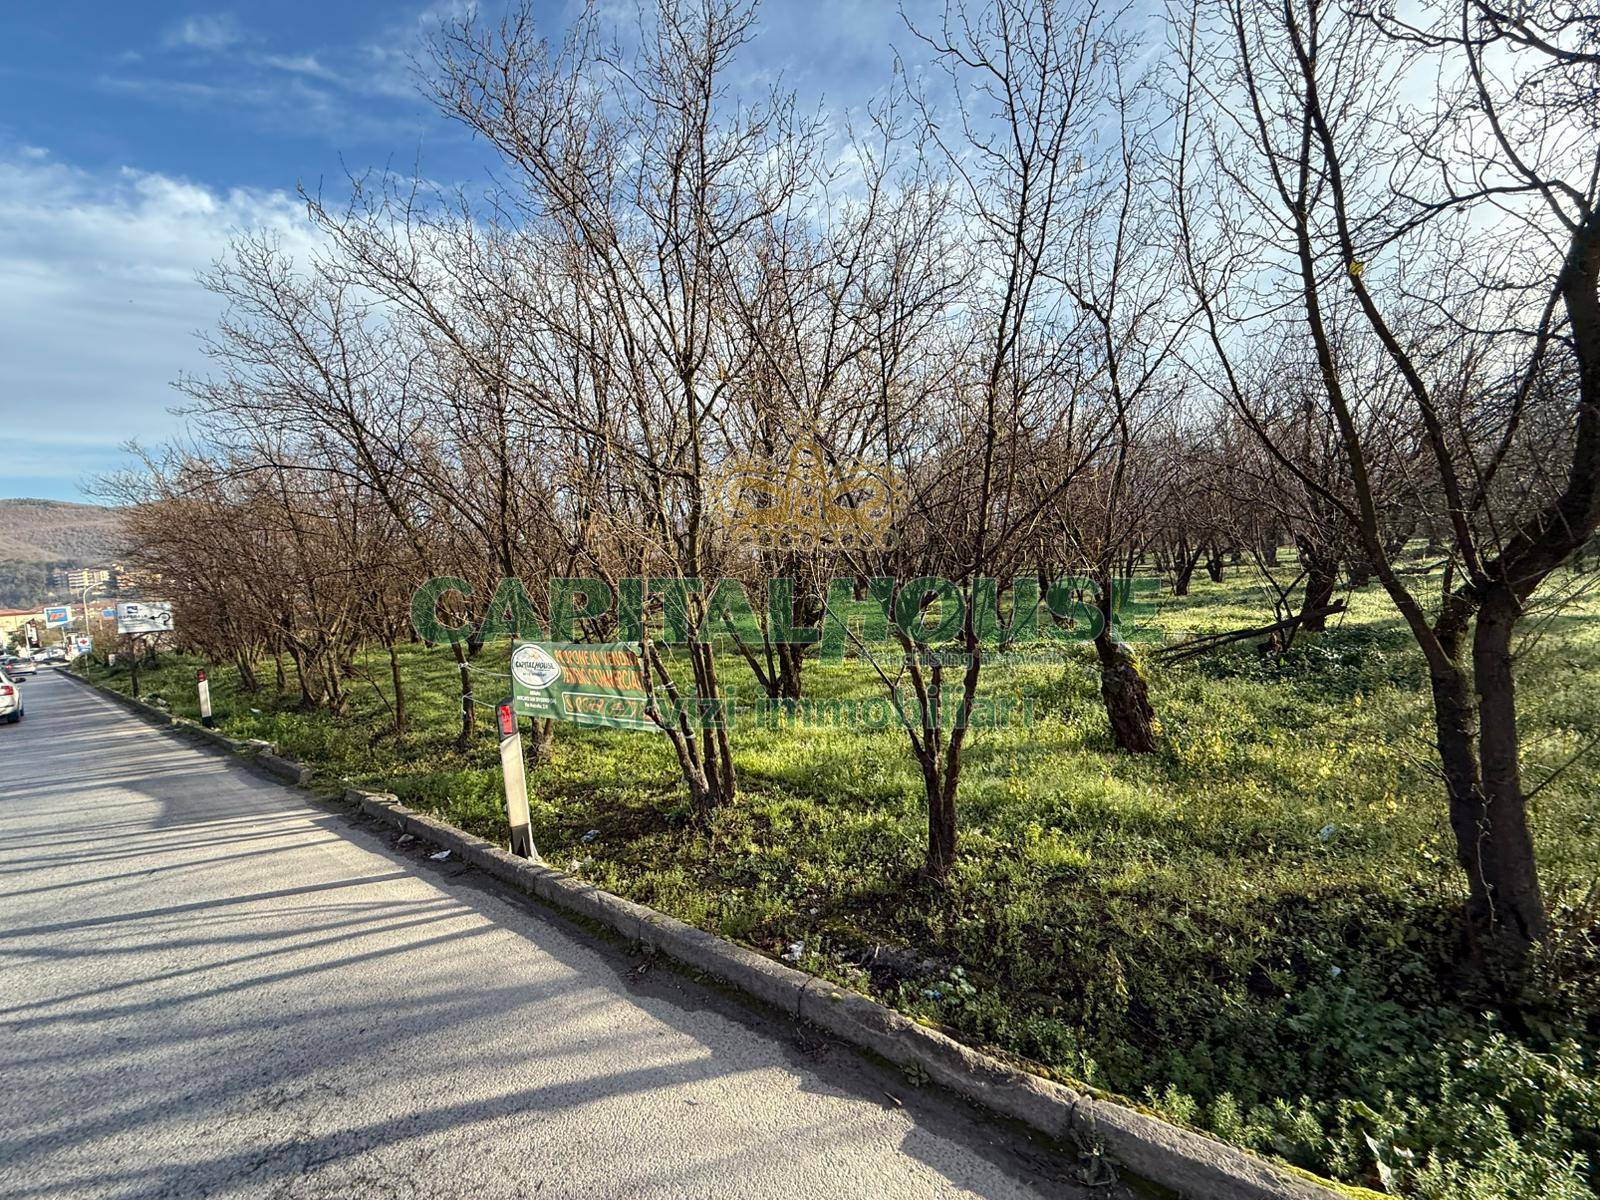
x=1189, y=1164
x=285, y=769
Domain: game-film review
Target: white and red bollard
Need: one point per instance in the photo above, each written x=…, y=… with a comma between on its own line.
x=516, y=778
x=204, y=685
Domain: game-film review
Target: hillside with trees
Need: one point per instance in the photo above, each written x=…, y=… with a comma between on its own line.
x=38, y=537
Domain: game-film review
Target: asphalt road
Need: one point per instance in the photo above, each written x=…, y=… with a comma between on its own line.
x=211, y=986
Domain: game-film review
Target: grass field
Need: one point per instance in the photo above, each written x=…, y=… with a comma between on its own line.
x=1249, y=931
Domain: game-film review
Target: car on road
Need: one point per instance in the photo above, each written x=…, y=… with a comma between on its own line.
x=10, y=698
x=13, y=665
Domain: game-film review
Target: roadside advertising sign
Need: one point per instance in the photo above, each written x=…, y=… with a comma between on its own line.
x=591, y=683
x=144, y=616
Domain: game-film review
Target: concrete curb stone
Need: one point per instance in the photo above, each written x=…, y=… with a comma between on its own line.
x=1207, y=1167
x=199, y=733
x=1039, y=1103
x=769, y=981
x=284, y=768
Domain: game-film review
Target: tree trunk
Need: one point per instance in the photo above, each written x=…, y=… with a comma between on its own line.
x=541, y=737
x=1186, y=565
x=1455, y=721
x=333, y=676
x=791, y=659
x=307, y=700
x=941, y=794
x=1122, y=686
x=1126, y=697
x=1505, y=912
x=939, y=752
x=399, y=689
x=1214, y=564
x=1322, y=576
x=718, y=768
x=697, y=730
x=1517, y=918
x=464, y=673
x=1270, y=544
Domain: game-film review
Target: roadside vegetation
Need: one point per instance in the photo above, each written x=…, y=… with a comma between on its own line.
x=1253, y=930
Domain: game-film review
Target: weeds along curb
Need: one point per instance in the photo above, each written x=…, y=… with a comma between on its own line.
x=1189, y=1164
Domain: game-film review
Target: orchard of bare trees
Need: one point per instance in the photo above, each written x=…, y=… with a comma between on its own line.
x=1269, y=291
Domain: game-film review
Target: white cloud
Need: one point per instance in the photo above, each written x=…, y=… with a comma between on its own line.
x=206, y=31
x=300, y=64
x=298, y=104
x=360, y=89
x=384, y=63
x=99, y=306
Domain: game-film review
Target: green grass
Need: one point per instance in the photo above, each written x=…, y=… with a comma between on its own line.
x=1250, y=931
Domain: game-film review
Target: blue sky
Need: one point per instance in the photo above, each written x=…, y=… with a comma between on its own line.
x=134, y=138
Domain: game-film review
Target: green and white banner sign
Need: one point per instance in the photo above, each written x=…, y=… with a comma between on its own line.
x=588, y=683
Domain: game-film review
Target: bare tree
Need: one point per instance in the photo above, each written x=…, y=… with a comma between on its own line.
x=637, y=179
x=1445, y=266
x=1027, y=84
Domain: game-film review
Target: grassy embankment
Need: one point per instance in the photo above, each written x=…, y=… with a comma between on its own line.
x=1249, y=931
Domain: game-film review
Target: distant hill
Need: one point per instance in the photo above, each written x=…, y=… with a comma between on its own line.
x=81, y=535
x=37, y=535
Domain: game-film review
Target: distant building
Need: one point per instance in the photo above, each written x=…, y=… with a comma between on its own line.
x=87, y=578
x=13, y=619
x=128, y=579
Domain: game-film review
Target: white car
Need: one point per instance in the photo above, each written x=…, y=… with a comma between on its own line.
x=10, y=699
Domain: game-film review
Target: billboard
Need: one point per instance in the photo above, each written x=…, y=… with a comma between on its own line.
x=58, y=614
x=588, y=684
x=144, y=616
